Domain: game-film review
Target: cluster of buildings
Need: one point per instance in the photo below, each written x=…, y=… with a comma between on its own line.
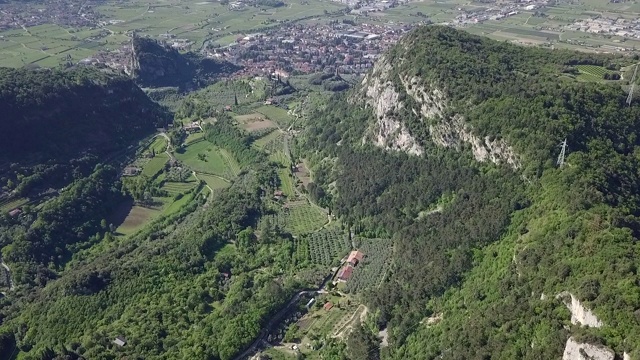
x=297, y=48
x=628, y=28
x=22, y=14
x=355, y=257
x=495, y=12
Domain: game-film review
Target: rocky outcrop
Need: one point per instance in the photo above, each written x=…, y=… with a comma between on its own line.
x=577, y=351
x=579, y=314
x=388, y=131
x=391, y=133
x=453, y=131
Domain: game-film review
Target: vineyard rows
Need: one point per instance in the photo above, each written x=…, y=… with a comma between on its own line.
x=370, y=272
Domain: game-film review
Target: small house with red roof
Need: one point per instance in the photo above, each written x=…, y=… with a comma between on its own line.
x=355, y=257
x=345, y=273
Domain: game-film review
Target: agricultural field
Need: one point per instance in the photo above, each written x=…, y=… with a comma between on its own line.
x=214, y=182
x=174, y=188
x=303, y=173
x=302, y=218
x=299, y=218
x=325, y=247
x=274, y=113
x=136, y=218
x=254, y=122
x=204, y=157
x=370, y=272
x=272, y=137
x=155, y=164
x=326, y=322
x=195, y=137
x=230, y=161
x=198, y=21
x=593, y=73
x=158, y=145
x=286, y=183
x=11, y=203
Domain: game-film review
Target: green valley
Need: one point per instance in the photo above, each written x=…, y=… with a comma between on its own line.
x=465, y=198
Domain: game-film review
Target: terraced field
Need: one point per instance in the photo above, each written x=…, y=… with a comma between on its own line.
x=174, y=188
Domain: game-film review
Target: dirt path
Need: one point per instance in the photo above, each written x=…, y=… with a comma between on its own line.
x=358, y=316
x=208, y=187
x=168, y=145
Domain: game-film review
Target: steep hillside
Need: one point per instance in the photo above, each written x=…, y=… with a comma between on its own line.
x=156, y=65
x=449, y=146
x=50, y=114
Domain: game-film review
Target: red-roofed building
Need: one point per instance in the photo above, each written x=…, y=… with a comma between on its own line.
x=328, y=306
x=355, y=257
x=345, y=273
x=15, y=212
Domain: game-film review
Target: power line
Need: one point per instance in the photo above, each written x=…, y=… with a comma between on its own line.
x=560, y=161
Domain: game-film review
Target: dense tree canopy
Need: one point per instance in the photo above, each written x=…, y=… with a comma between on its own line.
x=473, y=241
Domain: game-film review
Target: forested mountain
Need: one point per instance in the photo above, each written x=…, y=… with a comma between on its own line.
x=449, y=147
x=47, y=114
x=156, y=64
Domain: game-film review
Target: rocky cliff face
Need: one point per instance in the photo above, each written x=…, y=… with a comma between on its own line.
x=386, y=93
x=388, y=131
x=578, y=351
x=579, y=314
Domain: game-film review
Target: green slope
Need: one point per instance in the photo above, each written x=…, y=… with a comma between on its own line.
x=509, y=234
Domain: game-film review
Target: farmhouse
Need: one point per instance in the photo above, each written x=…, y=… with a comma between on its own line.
x=192, y=128
x=15, y=212
x=345, y=273
x=328, y=306
x=131, y=171
x=355, y=257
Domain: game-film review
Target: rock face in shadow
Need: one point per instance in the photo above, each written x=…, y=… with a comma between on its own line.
x=155, y=64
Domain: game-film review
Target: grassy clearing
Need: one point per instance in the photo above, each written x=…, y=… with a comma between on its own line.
x=137, y=218
x=194, y=138
x=159, y=145
x=213, y=181
x=286, y=182
x=213, y=162
x=154, y=165
x=279, y=115
x=254, y=122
